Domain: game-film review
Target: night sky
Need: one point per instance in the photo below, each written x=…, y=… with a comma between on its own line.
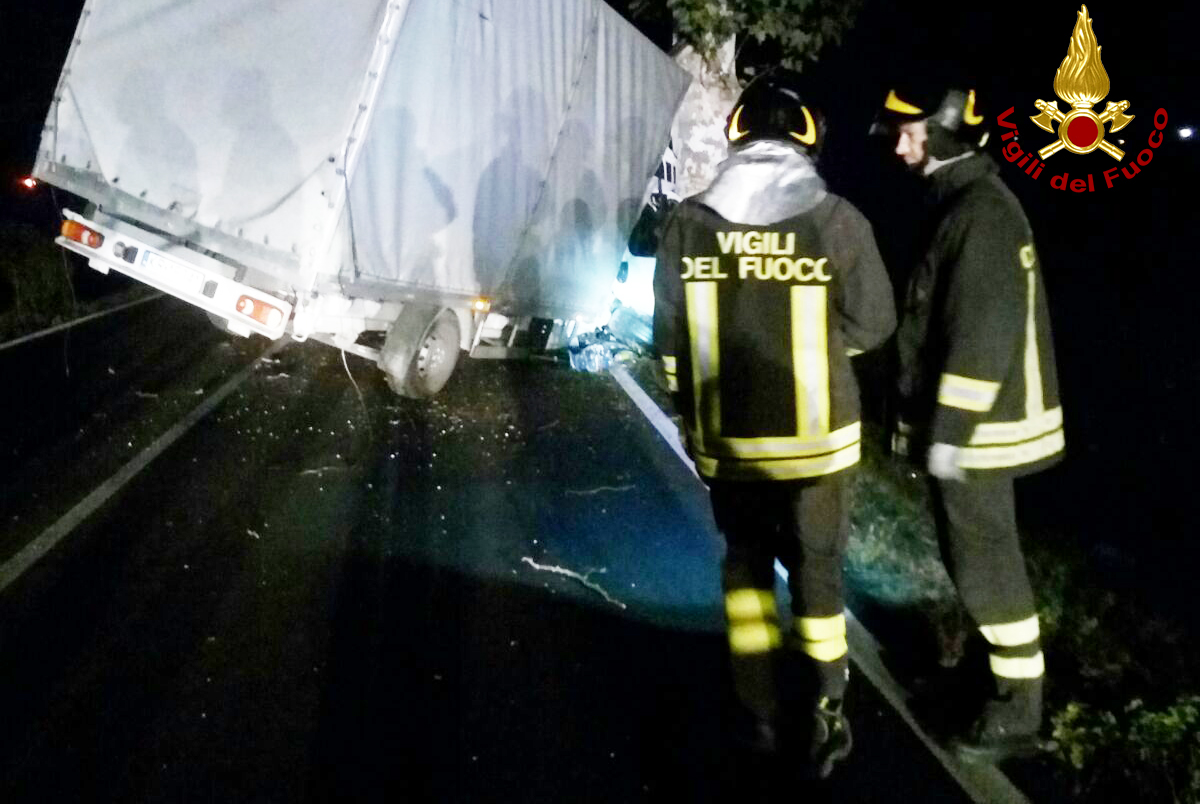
x=1120, y=264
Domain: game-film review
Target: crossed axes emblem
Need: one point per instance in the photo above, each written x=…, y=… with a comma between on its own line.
x=1081, y=130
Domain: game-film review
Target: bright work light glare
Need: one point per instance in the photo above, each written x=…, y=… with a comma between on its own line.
x=1186, y=133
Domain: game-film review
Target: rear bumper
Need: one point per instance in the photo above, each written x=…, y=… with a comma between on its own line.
x=198, y=285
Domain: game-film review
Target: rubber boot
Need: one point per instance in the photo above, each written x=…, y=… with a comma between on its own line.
x=830, y=740
x=1008, y=726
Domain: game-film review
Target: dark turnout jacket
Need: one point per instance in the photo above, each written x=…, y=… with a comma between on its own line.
x=755, y=325
x=976, y=357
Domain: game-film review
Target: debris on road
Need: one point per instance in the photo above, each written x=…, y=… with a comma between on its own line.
x=598, y=489
x=625, y=338
x=583, y=579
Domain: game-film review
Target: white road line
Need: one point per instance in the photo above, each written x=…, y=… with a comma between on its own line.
x=662, y=423
x=983, y=783
x=67, y=325
x=13, y=568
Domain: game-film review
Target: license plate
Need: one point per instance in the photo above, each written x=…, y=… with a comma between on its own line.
x=174, y=273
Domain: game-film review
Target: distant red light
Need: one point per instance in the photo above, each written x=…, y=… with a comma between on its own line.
x=29, y=182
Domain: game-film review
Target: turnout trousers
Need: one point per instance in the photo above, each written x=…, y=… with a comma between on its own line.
x=805, y=524
x=977, y=533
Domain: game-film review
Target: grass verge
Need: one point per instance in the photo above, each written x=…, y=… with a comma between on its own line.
x=36, y=284
x=1121, y=701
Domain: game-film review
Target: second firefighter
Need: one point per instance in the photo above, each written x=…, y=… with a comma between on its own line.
x=979, y=391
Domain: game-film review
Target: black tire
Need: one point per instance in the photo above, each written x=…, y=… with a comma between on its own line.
x=421, y=350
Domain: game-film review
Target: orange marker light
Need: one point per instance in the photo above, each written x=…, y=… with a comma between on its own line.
x=481, y=305
x=73, y=230
x=260, y=311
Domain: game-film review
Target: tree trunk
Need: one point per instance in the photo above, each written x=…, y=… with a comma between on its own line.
x=698, y=132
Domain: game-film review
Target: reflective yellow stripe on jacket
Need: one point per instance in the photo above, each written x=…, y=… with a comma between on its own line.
x=670, y=371
x=967, y=393
x=813, y=450
x=1000, y=445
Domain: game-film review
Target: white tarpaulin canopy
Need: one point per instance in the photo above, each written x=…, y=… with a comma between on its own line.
x=460, y=147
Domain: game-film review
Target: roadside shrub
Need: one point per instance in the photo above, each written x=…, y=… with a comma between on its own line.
x=1106, y=649
x=1139, y=754
x=34, y=290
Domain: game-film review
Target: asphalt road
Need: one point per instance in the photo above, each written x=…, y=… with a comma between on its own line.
x=509, y=593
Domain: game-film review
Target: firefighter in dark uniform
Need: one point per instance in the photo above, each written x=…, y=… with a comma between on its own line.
x=765, y=284
x=979, y=395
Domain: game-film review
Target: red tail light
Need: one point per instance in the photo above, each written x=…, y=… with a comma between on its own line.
x=73, y=230
x=260, y=311
x=29, y=182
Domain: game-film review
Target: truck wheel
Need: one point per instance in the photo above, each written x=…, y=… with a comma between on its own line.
x=421, y=350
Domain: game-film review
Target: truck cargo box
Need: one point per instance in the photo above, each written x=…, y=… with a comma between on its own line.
x=440, y=151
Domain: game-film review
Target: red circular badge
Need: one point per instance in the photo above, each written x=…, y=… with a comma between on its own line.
x=1082, y=132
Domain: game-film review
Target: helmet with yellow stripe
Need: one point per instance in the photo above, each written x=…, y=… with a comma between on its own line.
x=773, y=106
x=951, y=115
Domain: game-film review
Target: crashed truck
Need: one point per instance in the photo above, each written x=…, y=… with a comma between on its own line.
x=400, y=179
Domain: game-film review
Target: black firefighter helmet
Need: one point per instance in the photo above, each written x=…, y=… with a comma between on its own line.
x=951, y=116
x=773, y=107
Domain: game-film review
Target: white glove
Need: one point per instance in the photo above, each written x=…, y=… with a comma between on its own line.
x=942, y=462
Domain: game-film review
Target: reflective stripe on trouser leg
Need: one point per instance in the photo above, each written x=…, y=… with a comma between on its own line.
x=743, y=514
x=820, y=528
x=753, y=623
x=1012, y=634
x=1024, y=661
x=977, y=532
x=1016, y=649
x=753, y=620
x=822, y=638
x=746, y=514
x=823, y=641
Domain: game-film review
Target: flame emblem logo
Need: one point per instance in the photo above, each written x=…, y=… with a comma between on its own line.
x=1082, y=82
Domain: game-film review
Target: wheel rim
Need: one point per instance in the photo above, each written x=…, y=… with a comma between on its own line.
x=434, y=360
